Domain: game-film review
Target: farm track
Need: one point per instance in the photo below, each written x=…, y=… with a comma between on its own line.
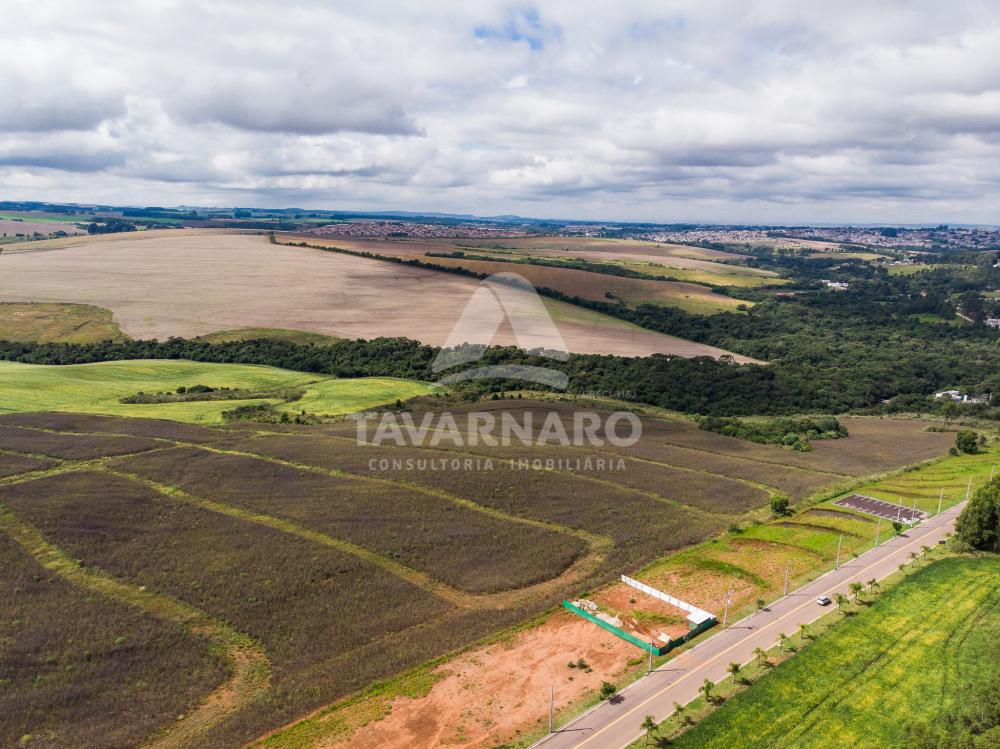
x=245, y=658
x=580, y=569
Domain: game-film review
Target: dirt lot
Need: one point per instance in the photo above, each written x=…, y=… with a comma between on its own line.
x=190, y=284
x=489, y=695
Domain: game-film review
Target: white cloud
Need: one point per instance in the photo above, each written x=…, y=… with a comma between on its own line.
x=768, y=110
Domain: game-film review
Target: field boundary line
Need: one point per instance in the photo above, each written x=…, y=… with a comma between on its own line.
x=597, y=542
x=661, y=499
x=246, y=659
x=418, y=578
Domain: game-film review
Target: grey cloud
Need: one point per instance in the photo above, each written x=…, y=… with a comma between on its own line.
x=763, y=110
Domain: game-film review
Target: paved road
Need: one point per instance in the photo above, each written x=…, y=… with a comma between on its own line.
x=612, y=725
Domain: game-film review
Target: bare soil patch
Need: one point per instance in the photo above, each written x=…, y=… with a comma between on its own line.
x=489, y=696
x=191, y=284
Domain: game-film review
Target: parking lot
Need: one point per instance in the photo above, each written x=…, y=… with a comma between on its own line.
x=881, y=509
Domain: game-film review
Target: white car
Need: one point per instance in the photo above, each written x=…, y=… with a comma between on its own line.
x=824, y=601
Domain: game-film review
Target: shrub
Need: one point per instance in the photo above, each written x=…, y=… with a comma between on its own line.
x=967, y=441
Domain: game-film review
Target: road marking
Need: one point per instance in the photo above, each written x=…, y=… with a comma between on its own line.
x=714, y=658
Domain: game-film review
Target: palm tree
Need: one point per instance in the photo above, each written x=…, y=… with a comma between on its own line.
x=804, y=631
x=734, y=669
x=925, y=549
x=760, y=654
x=782, y=637
x=856, y=589
x=706, y=689
x=872, y=584
x=648, y=725
x=841, y=599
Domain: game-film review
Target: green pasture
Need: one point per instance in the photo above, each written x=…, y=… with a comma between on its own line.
x=907, y=657
x=97, y=388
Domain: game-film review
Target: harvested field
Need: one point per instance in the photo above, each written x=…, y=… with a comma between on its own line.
x=10, y=228
x=159, y=285
x=12, y=464
x=579, y=283
x=107, y=675
x=84, y=447
x=464, y=548
x=65, y=323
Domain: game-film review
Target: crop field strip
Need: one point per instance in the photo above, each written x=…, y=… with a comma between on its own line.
x=693, y=297
x=81, y=447
x=741, y=494
x=925, y=641
x=13, y=464
x=117, y=657
x=465, y=549
x=582, y=566
x=248, y=664
x=285, y=590
x=553, y=497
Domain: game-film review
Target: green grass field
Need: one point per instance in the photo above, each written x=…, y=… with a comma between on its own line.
x=299, y=337
x=39, y=217
x=65, y=323
x=97, y=388
x=906, y=658
x=908, y=270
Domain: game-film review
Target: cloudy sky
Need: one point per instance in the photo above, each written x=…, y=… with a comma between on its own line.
x=708, y=110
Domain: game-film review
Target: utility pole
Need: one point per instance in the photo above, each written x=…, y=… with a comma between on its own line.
x=786, y=577
x=552, y=700
x=899, y=508
x=650, y=669
x=725, y=616
x=913, y=512
x=839, y=540
x=878, y=532
x=940, y=500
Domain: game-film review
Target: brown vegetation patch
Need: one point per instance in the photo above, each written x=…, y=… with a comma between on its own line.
x=454, y=544
x=94, y=423
x=70, y=447
x=309, y=605
x=11, y=464
x=107, y=675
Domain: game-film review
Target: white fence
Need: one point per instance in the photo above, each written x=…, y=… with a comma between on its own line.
x=697, y=616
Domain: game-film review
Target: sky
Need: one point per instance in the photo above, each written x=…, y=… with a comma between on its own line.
x=738, y=111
